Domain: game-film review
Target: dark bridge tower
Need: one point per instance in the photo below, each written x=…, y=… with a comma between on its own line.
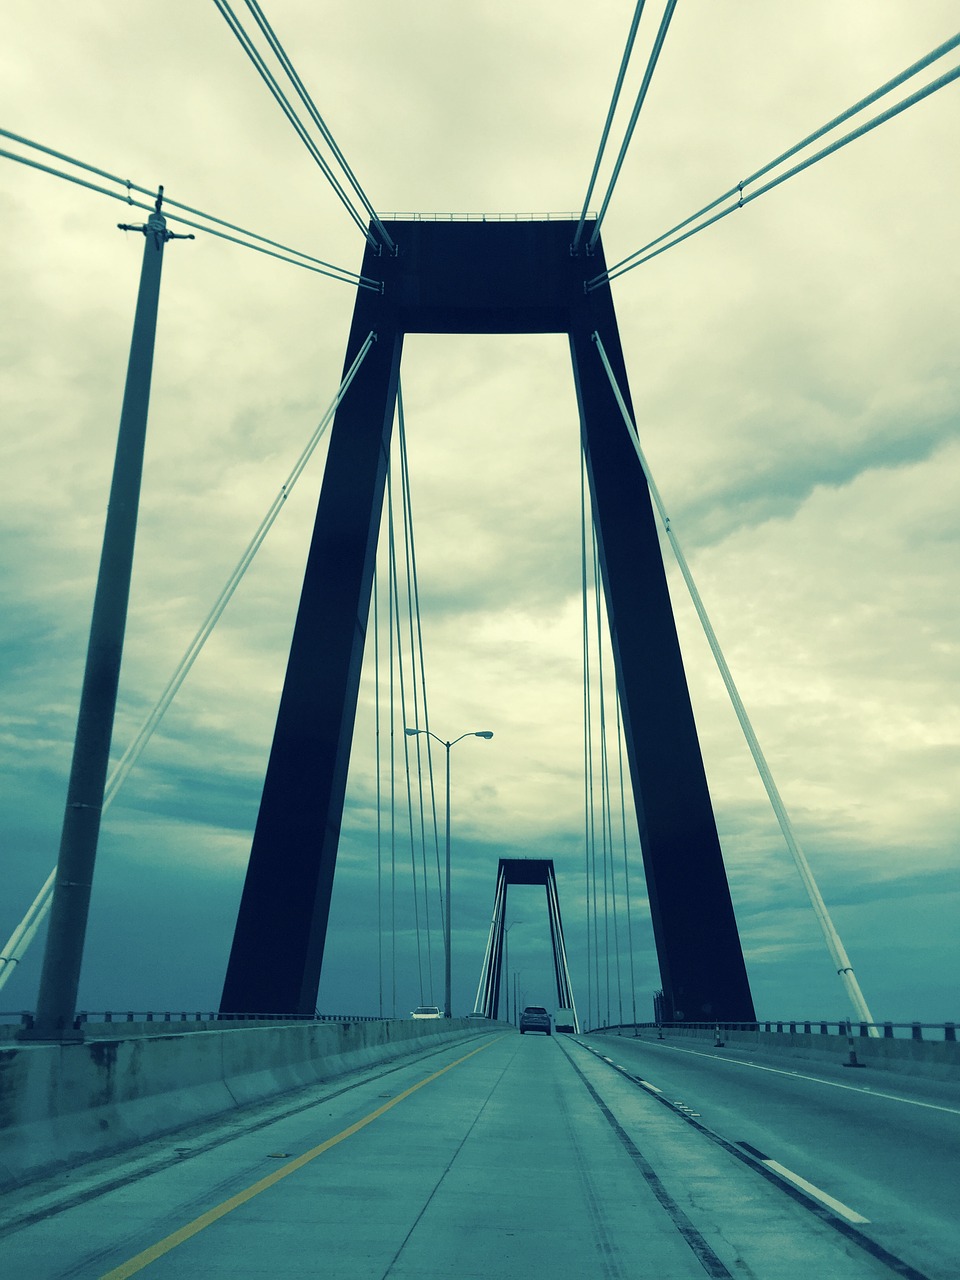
x=481, y=277
x=524, y=871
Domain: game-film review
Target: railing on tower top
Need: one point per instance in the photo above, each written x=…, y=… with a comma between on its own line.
x=483, y=217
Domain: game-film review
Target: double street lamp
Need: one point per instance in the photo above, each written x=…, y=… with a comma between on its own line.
x=478, y=733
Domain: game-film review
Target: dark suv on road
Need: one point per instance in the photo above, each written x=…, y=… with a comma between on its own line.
x=535, y=1018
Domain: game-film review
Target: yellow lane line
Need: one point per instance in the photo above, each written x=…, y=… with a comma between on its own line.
x=155, y=1251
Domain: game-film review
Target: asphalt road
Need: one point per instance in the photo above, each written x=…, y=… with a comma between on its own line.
x=502, y=1157
x=883, y=1144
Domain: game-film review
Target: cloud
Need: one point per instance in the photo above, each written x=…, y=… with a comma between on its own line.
x=797, y=394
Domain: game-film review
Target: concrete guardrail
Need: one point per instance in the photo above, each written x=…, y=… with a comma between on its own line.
x=930, y=1059
x=62, y=1104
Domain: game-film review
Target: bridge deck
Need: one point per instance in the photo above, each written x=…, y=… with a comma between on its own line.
x=498, y=1157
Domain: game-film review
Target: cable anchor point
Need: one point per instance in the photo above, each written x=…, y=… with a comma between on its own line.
x=740, y=189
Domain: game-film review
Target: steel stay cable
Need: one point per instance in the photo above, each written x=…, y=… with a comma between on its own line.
x=880, y=92
x=395, y=588
x=850, y=137
x=318, y=120
x=831, y=936
x=568, y=982
x=641, y=96
x=79, y=164
x=586, y=729
x=607, y=793
x=635, y=259
x=24, y=933
x=133, y=752
x=341, y=274
x=233, y=22
x=628, y=49
x=415, y=631
x=391, y=566
x=345, y=277
x=168, y=201
x=379, y=785
x=626, y=866
x=422, y=663
x=590, y=844
x=604, y=796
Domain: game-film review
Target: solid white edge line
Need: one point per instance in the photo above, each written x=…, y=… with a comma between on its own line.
x=831, y=1202
x=830, y=1084
x=837, y=1206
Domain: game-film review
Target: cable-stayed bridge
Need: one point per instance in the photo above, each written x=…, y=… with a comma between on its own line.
x=492, y=275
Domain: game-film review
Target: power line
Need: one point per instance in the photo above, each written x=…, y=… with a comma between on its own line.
x=298, y=258
x=286, y=107
x=644, y=254
x=641, y=96
x=628, y=49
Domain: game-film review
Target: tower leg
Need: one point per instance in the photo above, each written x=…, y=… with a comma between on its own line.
x=281, y=927
x=698, y=945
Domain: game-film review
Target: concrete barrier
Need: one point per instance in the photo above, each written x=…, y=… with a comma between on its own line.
x=929, y=1059
x=62, y=1104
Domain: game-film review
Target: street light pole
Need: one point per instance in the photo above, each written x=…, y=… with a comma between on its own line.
x=506, y=964
x=475, y=733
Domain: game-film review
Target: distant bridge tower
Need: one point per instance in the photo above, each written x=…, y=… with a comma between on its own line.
x=524, y=871
x=481, y=277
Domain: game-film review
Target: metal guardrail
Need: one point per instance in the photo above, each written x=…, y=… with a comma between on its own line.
x=26, y=1017
x=799, y=1026
x=795, y=1026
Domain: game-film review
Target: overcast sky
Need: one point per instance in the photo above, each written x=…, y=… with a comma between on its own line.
x=795, y=374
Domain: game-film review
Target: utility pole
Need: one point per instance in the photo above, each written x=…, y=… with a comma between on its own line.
x=60, y=977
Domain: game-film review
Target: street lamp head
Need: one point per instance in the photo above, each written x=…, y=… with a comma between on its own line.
x=411, y=733
x=482, y=733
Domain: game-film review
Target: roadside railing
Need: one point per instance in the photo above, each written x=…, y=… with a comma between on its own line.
x=25, y=1018
x=799, y=1026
